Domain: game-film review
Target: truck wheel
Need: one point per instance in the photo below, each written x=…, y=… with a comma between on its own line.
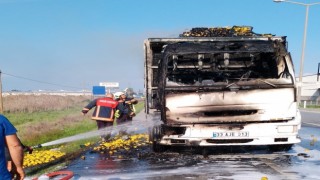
x=156, y=136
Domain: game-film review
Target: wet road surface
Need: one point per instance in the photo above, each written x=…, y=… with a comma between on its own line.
x=301, y=162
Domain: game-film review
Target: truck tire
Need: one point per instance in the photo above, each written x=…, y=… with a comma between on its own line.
x=155, y=137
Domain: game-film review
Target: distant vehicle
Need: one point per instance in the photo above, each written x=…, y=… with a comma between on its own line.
x=221, y=87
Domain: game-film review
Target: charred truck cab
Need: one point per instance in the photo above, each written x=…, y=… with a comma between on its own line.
x=221, y=87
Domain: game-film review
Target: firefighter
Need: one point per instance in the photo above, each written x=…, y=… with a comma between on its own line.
x=106, y=110
x=128, y=103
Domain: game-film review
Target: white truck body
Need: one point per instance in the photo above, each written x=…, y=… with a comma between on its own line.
x=221, y=91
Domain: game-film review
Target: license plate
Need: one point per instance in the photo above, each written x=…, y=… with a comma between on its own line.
x=231, y=134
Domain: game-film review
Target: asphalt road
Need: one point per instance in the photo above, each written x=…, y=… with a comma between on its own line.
x=301, y=162
x=310, y=118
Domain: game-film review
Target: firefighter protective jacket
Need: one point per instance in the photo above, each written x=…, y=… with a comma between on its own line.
x=104, y=109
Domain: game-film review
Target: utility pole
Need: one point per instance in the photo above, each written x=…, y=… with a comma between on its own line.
x=318, y=72
x=303, y=43
x=1, y=102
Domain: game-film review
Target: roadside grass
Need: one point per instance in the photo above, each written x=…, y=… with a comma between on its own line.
x=20, y=118
x=313, y=107
x=55, y=132
x=45, y=102
x=310, y=107
x=40, y=127
x=139, y=107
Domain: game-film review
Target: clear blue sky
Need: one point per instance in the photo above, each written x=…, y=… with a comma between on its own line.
x=75, y=44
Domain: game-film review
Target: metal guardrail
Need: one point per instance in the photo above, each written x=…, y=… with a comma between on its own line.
x=310, y=104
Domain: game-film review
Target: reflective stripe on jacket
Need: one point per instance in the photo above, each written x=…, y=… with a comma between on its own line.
x=105, y=108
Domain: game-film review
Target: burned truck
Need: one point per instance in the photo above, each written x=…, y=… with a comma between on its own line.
x=221, y=87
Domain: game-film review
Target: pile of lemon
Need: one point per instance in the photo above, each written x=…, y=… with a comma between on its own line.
x=41, y=157
x=127, y=143
x=118, y=143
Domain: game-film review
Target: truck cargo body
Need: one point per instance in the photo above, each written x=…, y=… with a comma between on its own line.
x=213, y=91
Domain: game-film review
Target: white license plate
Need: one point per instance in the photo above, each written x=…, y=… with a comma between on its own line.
x=231, y=134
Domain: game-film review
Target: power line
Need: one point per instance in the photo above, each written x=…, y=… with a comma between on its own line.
x=42, y=82
x=1, y=101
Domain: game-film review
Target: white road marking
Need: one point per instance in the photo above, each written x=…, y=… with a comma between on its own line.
x=318, y=125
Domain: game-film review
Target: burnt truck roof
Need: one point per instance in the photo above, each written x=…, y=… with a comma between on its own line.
x=203, y=39
x=235, y=33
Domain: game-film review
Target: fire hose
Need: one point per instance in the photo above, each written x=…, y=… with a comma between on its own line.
x=66, y=175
